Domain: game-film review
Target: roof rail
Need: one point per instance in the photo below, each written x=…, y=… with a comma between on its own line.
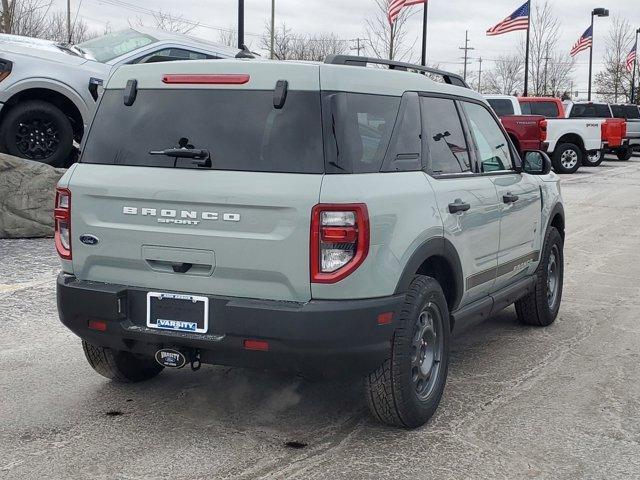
x=448, y=77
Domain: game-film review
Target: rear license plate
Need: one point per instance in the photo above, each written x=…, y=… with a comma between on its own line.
x=180, y=313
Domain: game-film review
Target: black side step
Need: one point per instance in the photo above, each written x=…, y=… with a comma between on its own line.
x=488, y=306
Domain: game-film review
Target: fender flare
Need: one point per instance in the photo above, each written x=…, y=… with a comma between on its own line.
x=53, y=85
x=440, y=247
x=558, y=208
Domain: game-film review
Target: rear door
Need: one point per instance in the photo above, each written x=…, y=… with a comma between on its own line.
x=467, y=202
x=239, y=227
x=518, y=193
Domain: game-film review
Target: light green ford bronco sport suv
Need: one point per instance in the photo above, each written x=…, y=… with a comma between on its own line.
x=324, y=218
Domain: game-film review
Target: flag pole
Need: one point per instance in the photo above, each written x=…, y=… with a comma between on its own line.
x=526, y=57
x=425, y=19
x=635, y=67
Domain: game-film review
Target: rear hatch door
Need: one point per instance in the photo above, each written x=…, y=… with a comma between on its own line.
x=239, y=227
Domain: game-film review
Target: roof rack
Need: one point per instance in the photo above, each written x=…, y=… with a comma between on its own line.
x=447, y=77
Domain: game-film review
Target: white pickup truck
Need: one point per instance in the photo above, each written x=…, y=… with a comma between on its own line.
x=572, y=142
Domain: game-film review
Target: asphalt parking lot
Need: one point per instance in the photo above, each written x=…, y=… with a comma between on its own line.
x=561, y=403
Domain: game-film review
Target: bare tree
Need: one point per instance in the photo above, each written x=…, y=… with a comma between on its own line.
x=385, y=40
x=56, y=30
x=550, y=66
x=228, y=37
x=25, y=17
x=614, y=82
x=290, y=46
x=165, y=21
x=506, y=77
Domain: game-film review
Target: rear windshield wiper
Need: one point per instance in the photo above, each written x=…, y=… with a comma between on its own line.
x=193, y=153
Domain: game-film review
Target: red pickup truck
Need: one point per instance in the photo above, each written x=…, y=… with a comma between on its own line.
x=527, y=132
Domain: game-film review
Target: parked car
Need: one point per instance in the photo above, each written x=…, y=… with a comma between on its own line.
x=631, y=140
x=570, y=141
x=548, y=107
x=273, y=234
x=48, y=90
x=527, y=132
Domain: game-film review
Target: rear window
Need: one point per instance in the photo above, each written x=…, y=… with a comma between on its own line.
x=501, y=107
x=590, y=110
x=241, y=129
x=546, y=109
x=626, y=111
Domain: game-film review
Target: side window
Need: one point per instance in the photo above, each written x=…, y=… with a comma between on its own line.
x=173, y=54
x=448, y=149
x=405, y=148
x=492, y=145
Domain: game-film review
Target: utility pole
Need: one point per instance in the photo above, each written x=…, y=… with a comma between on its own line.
x=69, y=21
x=546, y=67
x=358, y=46
x=273, y=27
x=466, y=49
x=480, y=76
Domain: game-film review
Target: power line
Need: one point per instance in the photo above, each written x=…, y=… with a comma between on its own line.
x=466, y=49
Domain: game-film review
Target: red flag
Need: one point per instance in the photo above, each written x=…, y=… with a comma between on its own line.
x=395, y=6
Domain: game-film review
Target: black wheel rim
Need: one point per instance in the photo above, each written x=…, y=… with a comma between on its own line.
x=37, y=137
x=428, y=341
x=553, y=277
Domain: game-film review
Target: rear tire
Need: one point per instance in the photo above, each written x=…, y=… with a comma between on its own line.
x=567, y=158
x=121, y=366
x=624, y=154
x=593, y=160
x=406, y=389
x=540, y=308
x=39, y=131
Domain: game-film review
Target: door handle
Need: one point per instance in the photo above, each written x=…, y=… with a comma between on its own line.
x=510, y=198
x=458, y=206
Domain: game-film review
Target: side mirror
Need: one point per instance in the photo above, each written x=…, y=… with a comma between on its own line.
x=536, y=162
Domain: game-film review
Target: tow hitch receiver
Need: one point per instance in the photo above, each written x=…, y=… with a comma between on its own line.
x=178, y=358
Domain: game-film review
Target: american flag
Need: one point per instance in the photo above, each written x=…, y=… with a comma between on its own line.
x=518, y=20
x=585, y=42
x=631, y=58
x=395, y=6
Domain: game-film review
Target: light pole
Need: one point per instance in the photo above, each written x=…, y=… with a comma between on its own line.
x=635, y=66
x=273, y=28
x=241, y=24
x=597, y=12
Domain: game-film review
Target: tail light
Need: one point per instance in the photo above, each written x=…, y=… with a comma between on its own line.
x=624, y=130
x=542, y=124
x=5, y=68
x=339, y=240
x=62, y=218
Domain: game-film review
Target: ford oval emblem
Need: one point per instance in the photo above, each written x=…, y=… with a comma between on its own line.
x=168, y=357
x=88, y=239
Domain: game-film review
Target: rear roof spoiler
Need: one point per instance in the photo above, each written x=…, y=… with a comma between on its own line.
x=350, y=60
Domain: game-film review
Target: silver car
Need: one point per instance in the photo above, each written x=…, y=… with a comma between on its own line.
x=48, y=90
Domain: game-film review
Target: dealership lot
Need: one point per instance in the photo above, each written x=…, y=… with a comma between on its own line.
x=561, y=402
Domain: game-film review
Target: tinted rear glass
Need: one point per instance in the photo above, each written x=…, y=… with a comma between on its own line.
x=357, y=130
x=590, y=110
x=241, y=129
x=546, y=109
x=501, y=107
x=625, y=111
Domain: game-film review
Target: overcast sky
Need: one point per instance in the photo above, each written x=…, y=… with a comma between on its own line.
x=448, y=20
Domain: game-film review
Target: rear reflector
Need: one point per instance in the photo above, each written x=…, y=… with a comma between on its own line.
x=385, y=318
x=98, y=325
x=258, y=345
x=206, y=79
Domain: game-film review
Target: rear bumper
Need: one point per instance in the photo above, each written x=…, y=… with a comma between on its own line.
x=332, y=337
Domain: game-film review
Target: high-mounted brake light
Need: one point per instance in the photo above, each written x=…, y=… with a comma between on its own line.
x=62, y=219
x=339, y=240
x=205, y=79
